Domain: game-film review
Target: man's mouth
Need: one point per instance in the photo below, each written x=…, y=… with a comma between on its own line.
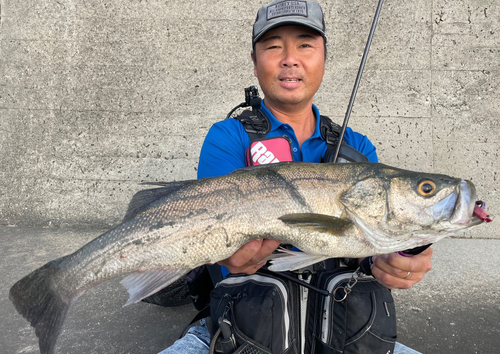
x=290, y=80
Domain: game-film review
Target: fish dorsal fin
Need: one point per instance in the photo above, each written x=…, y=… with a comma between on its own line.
x=317, y=222
x=142, y=284
x=271, y=166
x=142, y=199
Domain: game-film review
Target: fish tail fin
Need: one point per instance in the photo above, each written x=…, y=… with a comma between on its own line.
x=42, y=304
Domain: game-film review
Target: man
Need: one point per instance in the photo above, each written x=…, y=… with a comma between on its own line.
x=289, y=51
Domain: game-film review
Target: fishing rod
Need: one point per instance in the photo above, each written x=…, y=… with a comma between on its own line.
x=365, y=265
x=358, y=78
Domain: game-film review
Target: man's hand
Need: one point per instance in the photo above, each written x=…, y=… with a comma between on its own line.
x=391, y=270
x=249, y=258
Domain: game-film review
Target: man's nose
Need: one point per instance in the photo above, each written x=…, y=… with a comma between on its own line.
x=290, y=57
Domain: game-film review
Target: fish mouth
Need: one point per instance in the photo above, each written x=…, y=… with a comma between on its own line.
x=463, y=201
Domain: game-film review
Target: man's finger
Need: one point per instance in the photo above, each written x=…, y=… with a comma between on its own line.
x=398, y=265
x=249, y=258
x=268, y=246
x=398, y=272
x=244, y=255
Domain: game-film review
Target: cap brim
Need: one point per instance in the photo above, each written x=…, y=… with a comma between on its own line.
x=286, y=22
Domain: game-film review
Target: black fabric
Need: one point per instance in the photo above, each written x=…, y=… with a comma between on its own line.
x=215, y=273
x=254, y=310
x=257, y=126
x=346, y=154
x=199, y=284
x=176, y=294
x=195, y=287
x=330, y=131
x=365, y=322
x=255, y=122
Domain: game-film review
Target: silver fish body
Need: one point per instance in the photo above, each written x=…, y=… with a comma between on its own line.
x=326, y=210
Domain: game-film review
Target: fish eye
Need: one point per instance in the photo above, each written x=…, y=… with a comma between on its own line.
x=426, y=188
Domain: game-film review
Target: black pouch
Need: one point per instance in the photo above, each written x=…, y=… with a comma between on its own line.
x=260, y=313
x=356, y=322
x=254, y=314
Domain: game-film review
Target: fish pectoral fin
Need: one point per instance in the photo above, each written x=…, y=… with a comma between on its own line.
x=317, y=222
x=142, y=284
x=291, y=260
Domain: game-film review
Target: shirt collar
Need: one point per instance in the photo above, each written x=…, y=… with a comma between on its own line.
x=275, y=123
x=317, y=131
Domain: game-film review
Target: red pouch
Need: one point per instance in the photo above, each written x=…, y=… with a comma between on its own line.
x=269, y=150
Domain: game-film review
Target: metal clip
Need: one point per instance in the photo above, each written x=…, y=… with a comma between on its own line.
x=348, y=288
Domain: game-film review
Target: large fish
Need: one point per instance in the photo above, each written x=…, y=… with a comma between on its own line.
x=326, y=210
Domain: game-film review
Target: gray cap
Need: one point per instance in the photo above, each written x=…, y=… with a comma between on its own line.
x=282, y=13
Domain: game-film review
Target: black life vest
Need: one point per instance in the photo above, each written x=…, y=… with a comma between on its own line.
x=263, y=150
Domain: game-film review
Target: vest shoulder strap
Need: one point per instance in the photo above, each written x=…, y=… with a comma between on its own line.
x=329, y=130
x=257, y=126
x=256, y=123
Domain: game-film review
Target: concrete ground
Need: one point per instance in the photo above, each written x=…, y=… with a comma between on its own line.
x=456, y=308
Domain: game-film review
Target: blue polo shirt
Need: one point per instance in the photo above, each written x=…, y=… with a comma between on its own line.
x=224, y=147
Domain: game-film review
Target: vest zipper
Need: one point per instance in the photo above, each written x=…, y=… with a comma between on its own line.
x=304, y=295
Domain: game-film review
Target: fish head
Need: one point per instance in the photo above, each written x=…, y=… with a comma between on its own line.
x=398, y=209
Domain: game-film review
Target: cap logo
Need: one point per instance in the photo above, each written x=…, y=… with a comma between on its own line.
x=287, y=8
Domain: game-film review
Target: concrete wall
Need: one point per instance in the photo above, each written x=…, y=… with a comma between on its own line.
x=96, y=96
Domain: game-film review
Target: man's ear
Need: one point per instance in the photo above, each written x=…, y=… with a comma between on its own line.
x=252, y=55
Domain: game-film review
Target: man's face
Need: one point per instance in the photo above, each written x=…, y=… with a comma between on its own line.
x=289, y=62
